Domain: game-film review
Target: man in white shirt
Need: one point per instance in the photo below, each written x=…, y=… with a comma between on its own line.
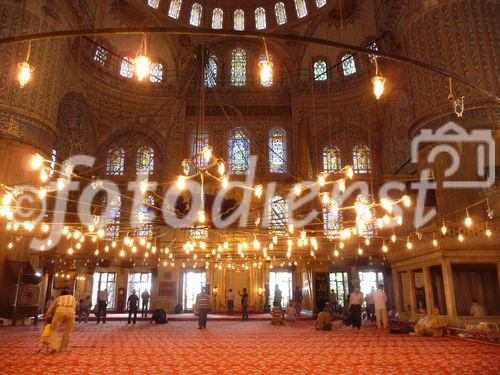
x=477, y=310
x=381, y=307
x=230, y=302
x=355, y=301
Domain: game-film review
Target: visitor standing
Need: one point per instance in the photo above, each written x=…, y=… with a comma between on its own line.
x=277, y=297
x=61, y=311
x=355, y=300
x=381, y=307
x=244, y=304
x=477, y=310
x=133, y=306
x=297, y=300
x=202, y=303
x=230, y=302
x=324, y=320
x=84, y=309
x=102, y=303
x=145, y=302
x=370, y=305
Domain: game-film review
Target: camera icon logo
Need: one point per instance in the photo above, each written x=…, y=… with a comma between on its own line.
x=449, y=133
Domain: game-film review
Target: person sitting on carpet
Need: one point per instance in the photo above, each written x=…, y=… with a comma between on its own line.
x=399, y=327
x=324, y=321
x=433, y=326
x=276, y=318
x=291, y=313
x=393, y=313
x=477, y=310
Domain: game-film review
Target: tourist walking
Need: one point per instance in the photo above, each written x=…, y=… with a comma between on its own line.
x=202, y=304
x=370, y=305
x=230, y=302
x=133, y=306
x=381, y=307
x=84, y=309
x=297, y=300
x=61, y=311
x=277, y=297
x=244, y=304
x=145, y=302
x=102, y=303
x=355, y=300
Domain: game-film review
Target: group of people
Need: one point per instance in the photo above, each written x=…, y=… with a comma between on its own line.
x=376, y=307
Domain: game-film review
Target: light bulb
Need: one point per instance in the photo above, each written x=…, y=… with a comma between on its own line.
x=143, y=186
x=10, y=245
x=341, y=186
x=225, y=182
x=122, y=253
x=201, y=216
x=207, y=153
x=444, y=229
x=409, y=245
x=113, y=244
x=70, y=251
x=297, y=189
x=256, y=244
x=142, y=64
x=181, y=183
x=406, y=201
x=488, y=233
x=24, y=72
x=341, y=245
x=266, y=70
x=385, y=248
x=42, y=193
x=258, y=191
x=378, y=85
x=275, y=240
x=6, y=199
x=325, y=198
x=349, y=172
x=100, y=233
x=468, y=222
x=435, y=242
x=96, y=252
x=221, y=167
x=367, y=242
x=360, y=251
x=321, y=179
x=335, y=253
x=290, y=228
x=106, y=248
x=37, y=161
x=393, y=238
x=61, y=183
x=44, y=175
x=461, y=237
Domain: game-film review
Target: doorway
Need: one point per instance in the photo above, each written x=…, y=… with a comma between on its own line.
x=192, y=284
x=139, y=281
x=369, y=280
x=284, y=281
x=104, y=280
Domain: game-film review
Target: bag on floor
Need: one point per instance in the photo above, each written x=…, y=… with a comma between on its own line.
x=347, y=318
x=178, y=308
x=159, y=316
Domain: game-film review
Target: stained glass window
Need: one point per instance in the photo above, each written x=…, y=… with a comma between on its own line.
x=115, y=163
x=320, y=71
x=156, y=72
x=127, y=67
x=239, y=20
x=348, y=65
x=198, y=233
x=361, y=159
x=217, y=18
x=364, y=217
x=300, y=6
x=145, y=161
x=101, y=54
x=277, y=151
x=373, y=46
x=175, y=8
x=280, y=12
x=196, y=12
x=278, y=214
x=239, y=67
x=268, y=82
x=211, y=71
x=239, y=152
x=320, y=3
x=198, y=141
x=112, y=215
x=260, y=18
x=332, y=220
x=332, y=161
x=145, y=227
x=154, y=3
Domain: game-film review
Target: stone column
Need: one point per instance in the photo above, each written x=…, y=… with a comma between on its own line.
x=396, y=285
x=411, y=291
x=429, y=292
x=449, y=292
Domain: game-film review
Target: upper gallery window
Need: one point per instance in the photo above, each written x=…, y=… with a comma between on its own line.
x=361, y=159
x=332, y=161
x=145, y=227
x=113, y=215
x=332, y=220
x=239, y=20
x=364, y=217
x=127, y=67
x=154, y=3
x=115, y=162
x=348, y=65
x=144, y=164
x=280, y=12
x=260, y=18
x=278, y=214
x=217, y=18
x=238, y=151
x=320, y=70
x=156, y=72
x=277, y=151
x=300, y=7
x=211, y=71
x=238, y=67
x=196, y=12
x=101, y=54
x=320, y=3
x=175, y=8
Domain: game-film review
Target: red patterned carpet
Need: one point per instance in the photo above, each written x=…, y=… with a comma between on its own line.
x=242, y=348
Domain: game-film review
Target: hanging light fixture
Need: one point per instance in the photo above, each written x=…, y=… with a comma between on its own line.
x=378, y=82
x=142, y=62
x=25, y=70
x=266, y=65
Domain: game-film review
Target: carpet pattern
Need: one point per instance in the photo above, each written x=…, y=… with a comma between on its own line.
x=242, y=348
